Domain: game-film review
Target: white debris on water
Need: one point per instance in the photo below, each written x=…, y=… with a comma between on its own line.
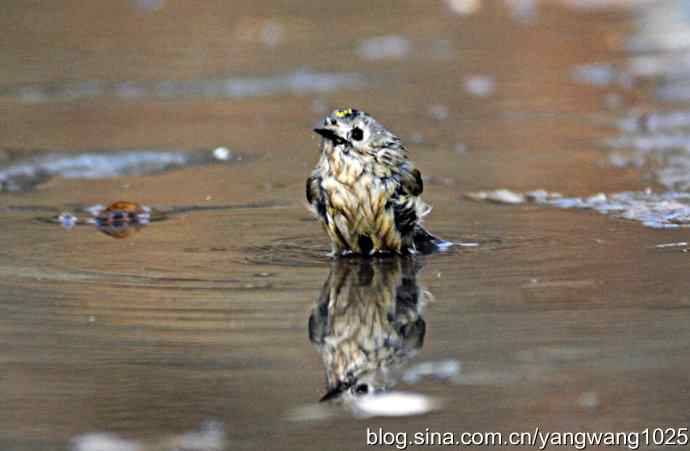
x=502, y=196
x=222, y=153
x=67, y=220
x=678, y=244
x=390, y=47
x=479, y=85
x=654, y=210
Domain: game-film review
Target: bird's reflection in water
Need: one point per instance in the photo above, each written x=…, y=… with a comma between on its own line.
x=367, y=323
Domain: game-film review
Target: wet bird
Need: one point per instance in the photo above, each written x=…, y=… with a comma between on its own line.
x=365, y=190
x=367, y=324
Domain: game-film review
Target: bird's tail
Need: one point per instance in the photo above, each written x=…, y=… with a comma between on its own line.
x=427, y=243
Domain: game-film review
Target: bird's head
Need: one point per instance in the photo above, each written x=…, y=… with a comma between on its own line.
x=356, y=130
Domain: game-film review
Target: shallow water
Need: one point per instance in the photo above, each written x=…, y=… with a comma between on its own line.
x=195, y=329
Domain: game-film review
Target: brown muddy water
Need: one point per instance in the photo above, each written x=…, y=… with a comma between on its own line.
x=205, y=328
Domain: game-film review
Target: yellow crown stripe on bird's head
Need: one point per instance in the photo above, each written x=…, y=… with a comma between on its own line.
x=344, y=112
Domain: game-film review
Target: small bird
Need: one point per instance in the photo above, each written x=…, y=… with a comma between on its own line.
x=366, y=191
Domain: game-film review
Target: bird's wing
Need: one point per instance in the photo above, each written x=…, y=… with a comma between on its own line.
x=315, y=195
x=404, y=200
x=411, y=180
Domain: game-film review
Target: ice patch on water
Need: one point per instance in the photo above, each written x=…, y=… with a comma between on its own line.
x=655, y=210
x=23, y=173
x=300, y=82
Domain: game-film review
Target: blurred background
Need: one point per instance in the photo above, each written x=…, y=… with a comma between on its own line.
x=554, y=139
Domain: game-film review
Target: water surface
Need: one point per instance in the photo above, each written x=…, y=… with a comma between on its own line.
x=196, y=328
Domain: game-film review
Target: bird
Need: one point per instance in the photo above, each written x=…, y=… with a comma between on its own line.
x=366, y=191
x=368, y=324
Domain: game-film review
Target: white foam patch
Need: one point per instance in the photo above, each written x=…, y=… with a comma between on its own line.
x=394, y=404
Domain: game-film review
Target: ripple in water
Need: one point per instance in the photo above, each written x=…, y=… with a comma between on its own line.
x=291, y=251
x=305, y=251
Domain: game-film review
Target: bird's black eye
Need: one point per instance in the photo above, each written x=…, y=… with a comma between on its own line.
x=332, y=121
x=362, y=389
x=357, y=134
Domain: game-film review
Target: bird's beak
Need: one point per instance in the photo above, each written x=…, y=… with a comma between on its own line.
x=334, y=392
x=330, y=134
